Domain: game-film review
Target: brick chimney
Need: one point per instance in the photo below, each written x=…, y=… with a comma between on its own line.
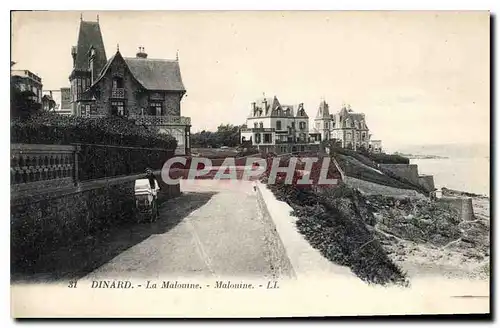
x=141, y=53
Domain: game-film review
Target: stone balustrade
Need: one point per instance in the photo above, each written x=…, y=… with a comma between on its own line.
x=161, y=120
x=41, y=166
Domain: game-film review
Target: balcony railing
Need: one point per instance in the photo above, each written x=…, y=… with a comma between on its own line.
x=258, y=130
x=161, y=120
x=118, y=93
x=296, y=141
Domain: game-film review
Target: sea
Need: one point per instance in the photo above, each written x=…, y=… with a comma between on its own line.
x=464, y=174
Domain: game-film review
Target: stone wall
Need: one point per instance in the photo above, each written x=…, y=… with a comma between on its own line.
x=282, y=267
x=405, y=171
x=51, y=205
x=462, y=204
x=370, y=188
x=427, y=181
x=41, y=222
x=172, y=104
x=45, y=220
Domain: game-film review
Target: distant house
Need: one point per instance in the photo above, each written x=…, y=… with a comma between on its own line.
x=348, y=128
x=48, y=102
x=376, y=146
x=65, y=101
x=57, y=101
x=273, y=127
x=26, y=80
x=146, y=90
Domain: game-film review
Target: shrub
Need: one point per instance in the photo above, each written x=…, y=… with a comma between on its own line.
x=372, y=159
x=99, y=162
x=388, y=159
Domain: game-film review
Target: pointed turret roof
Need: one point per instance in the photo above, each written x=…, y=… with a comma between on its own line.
x=323, y=110
x=89, y=36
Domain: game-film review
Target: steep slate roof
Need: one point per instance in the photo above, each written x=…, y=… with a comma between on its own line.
x=323, y=111
x=349, y=115
x=301, y=109
x=357, y=116
x=156, y=74
x=152, y=74
x=289, y=107
x=88, y=36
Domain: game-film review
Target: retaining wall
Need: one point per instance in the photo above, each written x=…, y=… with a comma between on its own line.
x=427, y=181
x=306, y=262
x=405, y=171
x=462, y=204
x=370, y=188
x=44, y=220
x=278, y=255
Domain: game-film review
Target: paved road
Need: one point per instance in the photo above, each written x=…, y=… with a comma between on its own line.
x=224, y=237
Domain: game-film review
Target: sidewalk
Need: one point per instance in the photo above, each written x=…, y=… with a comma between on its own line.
x=224, y=237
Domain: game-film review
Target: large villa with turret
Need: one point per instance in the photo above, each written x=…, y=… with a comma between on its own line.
x=146, y=90
x=272, y=126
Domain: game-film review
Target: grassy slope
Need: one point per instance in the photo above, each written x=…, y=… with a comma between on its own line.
x=363, y=168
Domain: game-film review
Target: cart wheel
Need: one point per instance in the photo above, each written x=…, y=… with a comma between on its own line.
x=155, y=211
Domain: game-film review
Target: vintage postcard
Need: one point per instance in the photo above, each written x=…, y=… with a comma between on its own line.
x=192, y=164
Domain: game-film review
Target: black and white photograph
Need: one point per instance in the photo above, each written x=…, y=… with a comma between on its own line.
x=249, y=164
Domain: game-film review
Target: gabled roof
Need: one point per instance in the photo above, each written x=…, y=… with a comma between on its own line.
x=47, y=97
x=89, y=36
x=156, y=74
x=301, y=112
x=152, y=74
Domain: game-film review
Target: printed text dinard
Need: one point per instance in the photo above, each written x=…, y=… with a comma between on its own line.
x=174, y=284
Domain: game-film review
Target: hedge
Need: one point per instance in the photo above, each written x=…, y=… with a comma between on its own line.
x=388, y=159
x=371, y=159
x=52, y=128
x=95, y=162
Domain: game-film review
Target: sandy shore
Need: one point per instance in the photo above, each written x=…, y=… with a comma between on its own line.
x=458, y=259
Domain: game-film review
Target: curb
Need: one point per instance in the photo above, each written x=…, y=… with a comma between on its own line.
x=305, y=261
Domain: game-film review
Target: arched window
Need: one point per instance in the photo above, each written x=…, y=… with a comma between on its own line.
x=117, y=82
x=261, y=125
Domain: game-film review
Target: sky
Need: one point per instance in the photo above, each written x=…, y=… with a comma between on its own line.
x=419, y=77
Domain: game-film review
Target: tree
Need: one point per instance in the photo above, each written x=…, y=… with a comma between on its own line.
x=22, y=103
x=226, y=135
